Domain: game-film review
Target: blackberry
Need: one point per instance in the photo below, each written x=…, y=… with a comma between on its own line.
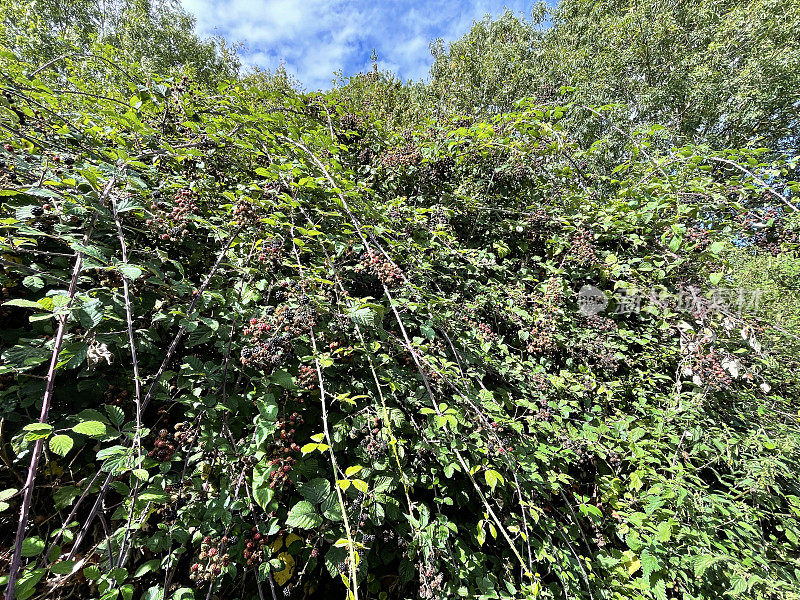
x=341, y=567
x=37, y=211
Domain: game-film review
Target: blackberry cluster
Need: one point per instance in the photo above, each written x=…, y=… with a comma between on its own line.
x=402, y=156
x=708, y=366
x=164, y=446
x=600, y=323
x=366, y=156
x=244, y=213
x=352, y=128
x=307, y=378
x=541, y=336
x=597, y=535
x=173, y=223
x=256, y=549
x=614, y=461
x=698, y=237
x=271, y=251
x=539, y=382
x=358, y=509
x=274, y=188
x=593, y=351
x=538, y=224
x=116, y=395
x=210, y=561
x=514, y=175
x=544, y=412
x=166, y=443
x=423, y=458
x=769, y=230
x=553, y=292
x=484, y=330
x=437, y=218
x=284, y=451
x=501, y=435
x=270, y=337
x=430, y=582
x=386, y=271
x=583, y=247
x=546, y=92
x=374, y=442
x=440, y=170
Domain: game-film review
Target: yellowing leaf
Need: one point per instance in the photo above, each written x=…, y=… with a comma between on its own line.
x=281, y=577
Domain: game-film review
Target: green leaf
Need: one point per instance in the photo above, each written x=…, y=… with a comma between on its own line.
x=715, y=278
x=61, y=444
x=32, y=546
x=664, y=531
x=145, y=568
x=493, y=477
x=702, y=563
x=304, y=516
x=115, y=414
x=650, y=565
x=20, y=303
x=130, y=271
x=262, y=493
x=316, y=490
x=65, y=567
x=90, y=428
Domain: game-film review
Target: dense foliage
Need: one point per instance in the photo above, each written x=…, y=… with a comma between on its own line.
x=260, y=343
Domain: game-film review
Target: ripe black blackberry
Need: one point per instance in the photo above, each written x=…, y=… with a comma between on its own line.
x=37, y=211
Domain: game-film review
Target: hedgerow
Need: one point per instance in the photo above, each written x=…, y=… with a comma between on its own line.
x=256, y=344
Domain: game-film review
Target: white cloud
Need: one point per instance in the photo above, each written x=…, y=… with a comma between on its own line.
x=315, y=38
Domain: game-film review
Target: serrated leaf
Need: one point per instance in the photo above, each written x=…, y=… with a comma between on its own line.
x=61, y=444
x=650, y=565
x=115, y=414
x=316, y=490
x=90, y=428
x=304, y=516
x=702, y=563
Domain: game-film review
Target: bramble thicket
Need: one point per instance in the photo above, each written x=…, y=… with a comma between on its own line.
x=264, y=343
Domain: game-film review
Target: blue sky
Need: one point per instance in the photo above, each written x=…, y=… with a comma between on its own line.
x=315, y=38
